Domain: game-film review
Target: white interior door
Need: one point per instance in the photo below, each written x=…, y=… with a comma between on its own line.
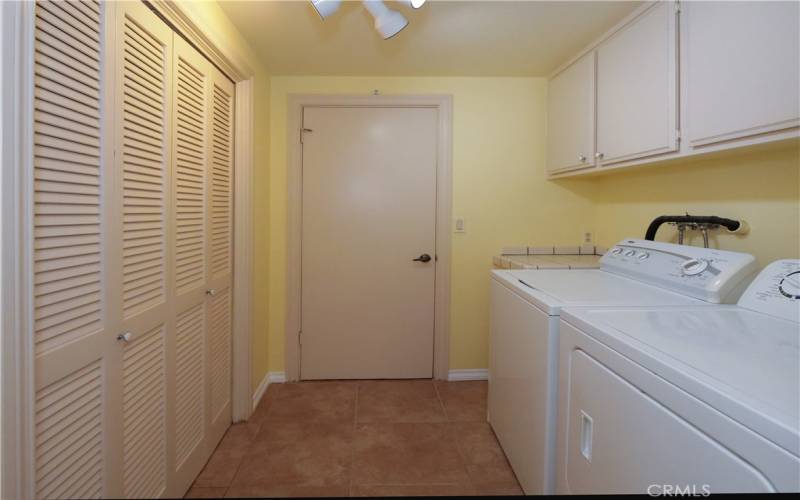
x=139, y=240
x=73, y=324
x=368, y=210
x=219, y=264
x=187, y=385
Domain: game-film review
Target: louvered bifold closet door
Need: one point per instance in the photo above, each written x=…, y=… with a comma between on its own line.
x=142, y=275
x=72, y=328
x=219, y=263
x=191, y=100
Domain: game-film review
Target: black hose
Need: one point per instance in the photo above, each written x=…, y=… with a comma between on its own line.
x=730, y=224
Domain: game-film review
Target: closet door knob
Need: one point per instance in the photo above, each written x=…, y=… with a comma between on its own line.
x=581, y=157
x=599, y=156
x=125, y=337
x=211, y=292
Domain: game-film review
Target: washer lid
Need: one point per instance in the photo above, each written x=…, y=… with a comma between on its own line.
x=552, y=289
x=743, y=363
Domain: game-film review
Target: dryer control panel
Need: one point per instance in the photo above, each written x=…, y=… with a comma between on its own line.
x=716, y=276
x=776, y=291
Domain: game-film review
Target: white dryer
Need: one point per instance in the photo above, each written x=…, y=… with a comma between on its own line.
x=683, y=399
x=525, y=308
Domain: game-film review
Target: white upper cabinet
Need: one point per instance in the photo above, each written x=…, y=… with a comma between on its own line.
x=636, y=88
x=677, y=79
x=570, y=117
x=742, y=69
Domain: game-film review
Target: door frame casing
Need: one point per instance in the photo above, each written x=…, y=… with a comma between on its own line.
x=444, y=188
x=16, y=223
x=16, y=171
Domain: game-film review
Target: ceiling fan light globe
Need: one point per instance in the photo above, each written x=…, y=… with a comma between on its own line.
x=390, y=24
x=326, y=8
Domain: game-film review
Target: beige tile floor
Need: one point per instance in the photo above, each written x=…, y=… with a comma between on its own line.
x=361, y=438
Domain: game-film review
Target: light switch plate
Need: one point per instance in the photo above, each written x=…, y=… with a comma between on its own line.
x=460, y=225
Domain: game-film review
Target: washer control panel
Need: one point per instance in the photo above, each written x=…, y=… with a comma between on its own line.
x=776, y=291
x=716, y=276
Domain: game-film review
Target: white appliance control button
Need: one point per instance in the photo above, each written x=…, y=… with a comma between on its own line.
x=630, y=253
x=616, y=251
x=693, y=267
x=643, y=256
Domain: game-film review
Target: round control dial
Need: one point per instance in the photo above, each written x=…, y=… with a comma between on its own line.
x=630, y=253
x=616, y=251
x=693, y=267
x=790, y=285
x=643, y=256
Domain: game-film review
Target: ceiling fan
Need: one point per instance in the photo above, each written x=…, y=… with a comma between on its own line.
x=388, y=22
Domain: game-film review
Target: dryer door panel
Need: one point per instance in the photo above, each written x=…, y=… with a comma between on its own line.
x=620, y=440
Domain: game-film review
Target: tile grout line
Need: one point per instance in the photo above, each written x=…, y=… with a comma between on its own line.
x=353, y=443
x=451, y=433
x=250, y=442
x=441, y=403
x=241, y=460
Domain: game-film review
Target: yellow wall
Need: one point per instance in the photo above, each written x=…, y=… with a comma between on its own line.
x=499, y=186
x=759, y=186
x=218, y=27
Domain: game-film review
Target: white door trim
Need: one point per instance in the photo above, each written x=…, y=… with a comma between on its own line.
x=235, y=68
x=444, y=186
x=16, y=62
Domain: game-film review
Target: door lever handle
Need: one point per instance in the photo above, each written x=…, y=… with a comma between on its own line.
x=423, y=258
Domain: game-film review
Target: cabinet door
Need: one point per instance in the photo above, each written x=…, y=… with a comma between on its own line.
x=743, y=69
x=636, y=88
x=571, y=117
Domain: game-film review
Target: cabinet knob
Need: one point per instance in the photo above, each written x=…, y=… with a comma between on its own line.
x=599, y=156
x=211, y=292
x=125, y=337
x=581, y=157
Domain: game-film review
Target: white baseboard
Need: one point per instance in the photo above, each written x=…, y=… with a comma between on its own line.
x=269, y=378
x=471, y=374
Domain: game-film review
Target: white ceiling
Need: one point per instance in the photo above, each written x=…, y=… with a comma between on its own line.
x=444, y=38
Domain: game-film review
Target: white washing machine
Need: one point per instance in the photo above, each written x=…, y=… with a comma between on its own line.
x=690, y=399
x=525, y=307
